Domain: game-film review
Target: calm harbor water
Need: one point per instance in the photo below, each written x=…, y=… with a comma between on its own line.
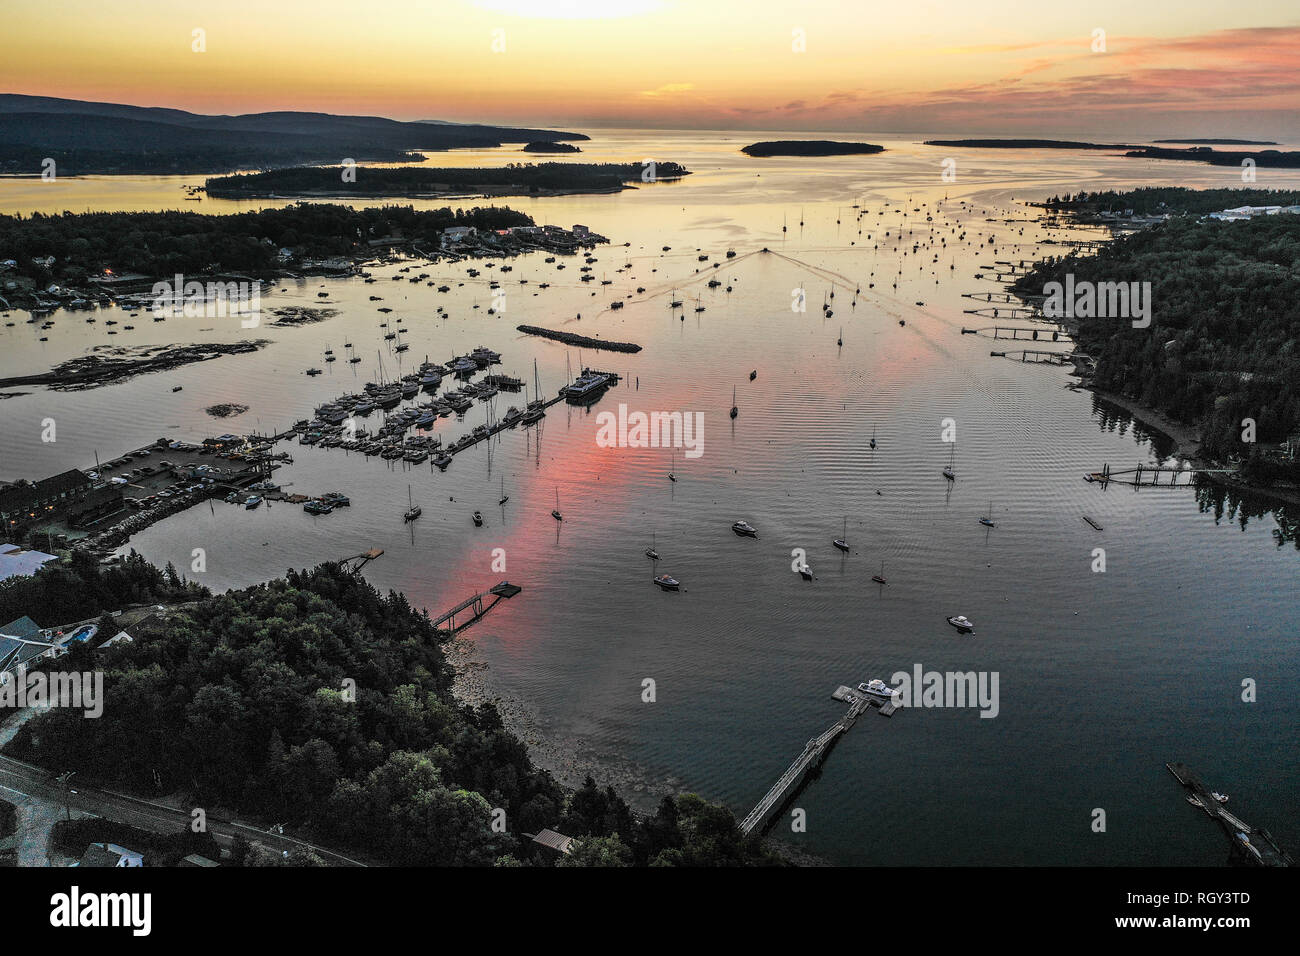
x=1103, y=676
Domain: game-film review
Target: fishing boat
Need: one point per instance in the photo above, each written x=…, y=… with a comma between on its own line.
x=843, y=542
x=667, y=582
x=413, y=511
x=948, y=471
x=556, y=512
x=963, y=624
x=745, y=529
x=734, y=410
x=880, y=578
x=650, y=552
x=478, y=519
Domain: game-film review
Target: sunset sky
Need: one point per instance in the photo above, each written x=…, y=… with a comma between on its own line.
x=1193, y=67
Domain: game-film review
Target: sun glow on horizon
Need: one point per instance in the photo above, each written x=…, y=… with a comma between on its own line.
x=1206, y=68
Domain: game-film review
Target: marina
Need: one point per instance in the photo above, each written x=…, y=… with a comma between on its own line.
x=826, y=431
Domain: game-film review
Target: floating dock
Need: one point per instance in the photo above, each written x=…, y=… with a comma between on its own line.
x=1254, y=846
x=475, y=607
x=814, y=751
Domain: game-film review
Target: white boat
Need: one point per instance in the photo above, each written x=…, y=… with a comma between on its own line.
x=877, y=688
x=948, y=471
x=668, y=582
x=650, y=552
x=962, y=623
x=744, y=528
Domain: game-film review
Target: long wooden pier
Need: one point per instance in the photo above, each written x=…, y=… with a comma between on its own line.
x=475, y=606
x=812, y=754
x=1253, y=845
x=1148, y=476
x=1052, y=335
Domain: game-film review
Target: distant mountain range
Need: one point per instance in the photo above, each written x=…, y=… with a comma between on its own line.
x=84, y=137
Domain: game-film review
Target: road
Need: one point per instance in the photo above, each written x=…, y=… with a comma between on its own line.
x=41, y=785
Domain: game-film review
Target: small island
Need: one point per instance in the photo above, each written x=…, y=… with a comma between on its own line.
x=1022, y=144
x=810, y=147
x=514, y=179
x=1219, y=142
x=550, y=147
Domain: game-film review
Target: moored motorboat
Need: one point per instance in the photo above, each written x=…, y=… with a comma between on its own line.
x=745, y=529
x=962, y=623
x=877, y=688
x=667, y=582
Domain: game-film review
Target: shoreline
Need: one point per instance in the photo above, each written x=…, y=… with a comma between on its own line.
x=1185, y=436
x=569, y=764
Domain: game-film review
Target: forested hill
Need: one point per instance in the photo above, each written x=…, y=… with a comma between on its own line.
x=1224, y=339
x=85, y=137
x=316, y=701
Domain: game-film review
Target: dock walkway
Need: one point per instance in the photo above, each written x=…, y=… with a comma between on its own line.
x=812, y=754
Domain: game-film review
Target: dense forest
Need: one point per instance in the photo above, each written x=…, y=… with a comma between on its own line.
x=82, y=589
x=317, y=701
x=410, y=180
x=1174, y=200
x=1224, y=339
x=164, y=243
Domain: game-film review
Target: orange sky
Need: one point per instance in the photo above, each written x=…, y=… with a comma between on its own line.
x=1192, y=68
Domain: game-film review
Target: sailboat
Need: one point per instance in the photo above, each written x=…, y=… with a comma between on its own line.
x=840, y=340
x=880, y=578
x=672, y=476
x=504, y=497
x=556, y=513
x=948, y=472
x=478, y=519
x=987, y=520
x=413, y=511
x=734, y=410
x=843, y=542
x=650, y=552
x=873, y=436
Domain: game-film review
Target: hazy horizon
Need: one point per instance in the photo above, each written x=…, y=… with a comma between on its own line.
x=1118, y=72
